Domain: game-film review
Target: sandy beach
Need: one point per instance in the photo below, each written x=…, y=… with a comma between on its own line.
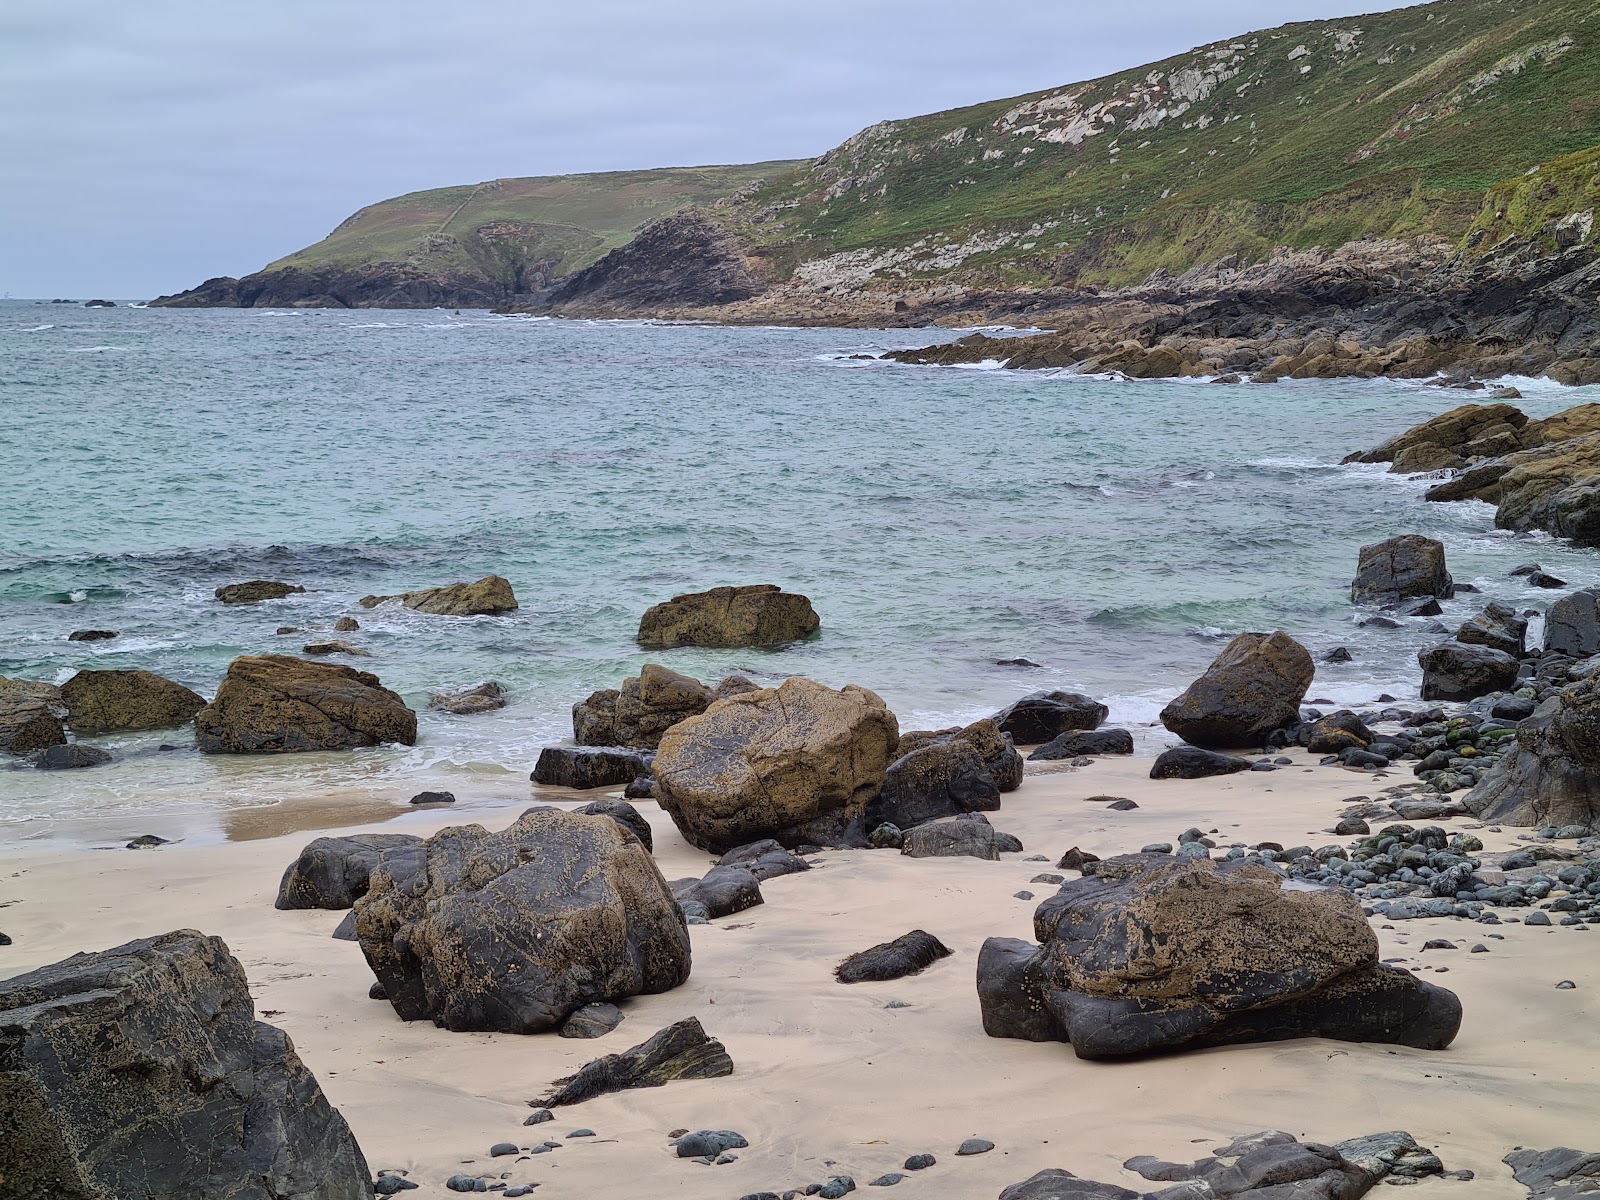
x=829, y=1079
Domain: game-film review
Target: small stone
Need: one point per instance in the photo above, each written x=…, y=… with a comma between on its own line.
x=466, y=1183
x=521, y=1189
x=839, y=1185
x=377, y=992
x=1438, y=944
x=1566, y=985
x=1048, y=878
x=1121, y=806
x=539, y=1117
x=434, y=798
x=1157, y=848
x=974, y=1146
x=1536, y=918
x=147, y=840
x=545, y=1148
x=1479, y=948
x=919, y=1162
x=346, y=625
x=501, y=1149
x=5, y=939
x=1022, y=895
x=581, y=1133
x=387, y=1184
x=1352, y=826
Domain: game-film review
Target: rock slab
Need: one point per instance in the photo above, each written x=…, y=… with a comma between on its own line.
x=121, y=701
x=274, y=704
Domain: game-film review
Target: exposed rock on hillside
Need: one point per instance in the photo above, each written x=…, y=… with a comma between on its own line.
x=685, y=260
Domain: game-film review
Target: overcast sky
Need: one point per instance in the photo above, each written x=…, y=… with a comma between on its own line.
x=148, y=145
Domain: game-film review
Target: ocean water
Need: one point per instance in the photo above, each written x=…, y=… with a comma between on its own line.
x=941, y=520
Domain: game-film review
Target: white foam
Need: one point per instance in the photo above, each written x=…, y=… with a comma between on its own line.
x=97, y=350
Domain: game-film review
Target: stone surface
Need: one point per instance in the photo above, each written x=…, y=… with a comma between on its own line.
x=30, y=716
x=1572, y=624
x=1552, y=775
x=71, y=758
x=1559, y=1174
x=1401, y=568
x=968, y=836
x=1041, y=716
x=513, y=931
x=1191, y=762
x=940, y=779
x=591, y=1021
x=1252, y=688
x=273, y=704
x=1497, y=627
x=116, y=1066
x=645, y=707
x=1080, y=743
x=585, y=767
x=798, y=763
x=722, y=892
x=624, y=814
x=333, y=872
x=490, y=596
x=908, y=954
x=256, y=591
x=469, y=702
x=680, y=1051
x=1456, y=671
x=759, y=614
x=122, y=701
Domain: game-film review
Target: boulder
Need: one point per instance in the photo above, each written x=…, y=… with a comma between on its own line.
x=966, y=836
x=765, y=860
x=118, y=701
x=999, y=755
x=1335, y=732
x=722, y=892
x=69, y=758
x=490, y=596
x=908, y=954
x=117, y=1068
x=797, y=763
x=759, y=614
x=1042, y=716
x=1572, y=624
x=1497, y=627
x=467, y=702
x=1551, y=777
x=514, y=931
x=1191, y=762
x=584, y=767
x=256, y=591
x=1251, y=689
x=333, y=872
x=1084, y=743
x=940, y=779
x=274, y=704
x=645, y=707
x=1399, y=569
x=30, y=716
x=1453, y=430
x=91, y=635
x=1155, y=953
x=1455, y=671
x=624, y=814
x=680, y=1051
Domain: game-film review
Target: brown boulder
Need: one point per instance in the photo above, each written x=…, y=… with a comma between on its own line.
x=1451, y=430
x=467, y=702
x=256, y=591
x=490, y=596
x=1252, y=688
x=273, y=704
x=647, y=705
x=114, y=701
x=1401, y=568
x=727, y=617
x=30, y=716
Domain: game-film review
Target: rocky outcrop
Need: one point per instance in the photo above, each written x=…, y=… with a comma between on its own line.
x=759, y=614
x=1559, y=1174
x=1042, y=716
x=1153, y=953
x=1458, y=671
x=119, y=701
x=646, y=706
x=1552, y=777
x=334, y=872
x=30, y=716
x=1252, y=688
x=514, y=931
x=367, y=285
x=118, y=1067
x=686, y=259
x=490, y=596
x=798, y=763
x=1401, y=568
x=273, y=704
x=256, y=591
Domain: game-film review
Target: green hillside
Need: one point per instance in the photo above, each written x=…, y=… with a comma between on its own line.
x=1306, y=135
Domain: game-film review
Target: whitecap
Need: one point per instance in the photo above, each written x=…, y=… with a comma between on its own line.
x=988, y=364
x=97, y=350
x=34, y=328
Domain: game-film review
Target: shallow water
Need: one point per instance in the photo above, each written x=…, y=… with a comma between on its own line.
x=940, y=519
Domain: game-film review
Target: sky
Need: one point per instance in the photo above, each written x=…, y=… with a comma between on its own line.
x=145, y=147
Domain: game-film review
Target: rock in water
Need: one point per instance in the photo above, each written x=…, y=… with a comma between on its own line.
x=91, y=635
x=256, y=591
x=1497, y=627
x=681, y=1051
x=1455, y=671
x=333, y=872
x=585, y=767
x=1401, y=568
x=68, y=758
x=1552, y=776
x=760, y=614
x=1154, y=953
x=490, y=596
x=1191, y=762
x=117, y=1066
x=1559, y=1174
x=797, y=763
x=1084, y=743
x=1253, y=687
x=645, y=707
x=273, y=704
x=30, y=716
x=908, y=954
x=1041, y=716
x=468, y=702
x=513, y=931
x=117, y=701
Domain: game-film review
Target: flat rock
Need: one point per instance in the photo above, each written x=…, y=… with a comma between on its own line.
x=256, y=591
x=490, y=596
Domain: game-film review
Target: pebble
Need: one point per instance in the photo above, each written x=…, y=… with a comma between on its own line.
x=1479, y=948
x=501, y=1149
x=1047, y=878
x=545, y=1147
x=1157, y=848
x=377, y=992
x=919, y=1162
x=1439, y=944
x=146, y=840
x=1121, y=806
x=466, y=1183
x=539, y=1117
x=1566, y=985
x=975, y=1146
x=521, y=1189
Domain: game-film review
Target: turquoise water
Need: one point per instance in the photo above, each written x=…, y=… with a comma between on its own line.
x=940, y=519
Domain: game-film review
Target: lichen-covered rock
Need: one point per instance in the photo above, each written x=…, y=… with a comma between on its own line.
x=274, y=704
x=333, y=872
x=645, y=707
x=490, y=596
x=1079, y=743
x=1335, y=732
x=256, y=591
x=1155, y=953
x=30, y=716
x=513, y=931
x=117, y=701
x=760, y=614
x=1252, y=688
x=1401, y=568
x=996, y=748
x=117, y=1068
x=940, y=779
x=1457, y=671
x=798, y=763
x=1552, y=775
x=1041, y=716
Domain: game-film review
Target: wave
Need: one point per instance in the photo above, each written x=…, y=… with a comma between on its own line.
x=97, y=350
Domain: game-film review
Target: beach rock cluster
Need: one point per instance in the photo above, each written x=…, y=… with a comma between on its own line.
x=116, y=1066
x=945, y=773
x=35, y=717
x=646, y=706
x=1157, y=952
x=760, y=614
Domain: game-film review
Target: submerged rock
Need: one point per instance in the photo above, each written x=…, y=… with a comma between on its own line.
x=467, y=702
x=490, y=596
x=273, y=704
x=1251, y=689
x=120, y=701
x=69, y=758
x=256, y=591
x=760, y=614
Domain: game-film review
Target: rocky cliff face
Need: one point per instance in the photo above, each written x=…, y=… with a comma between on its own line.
x=684, y=260
x=375, y=285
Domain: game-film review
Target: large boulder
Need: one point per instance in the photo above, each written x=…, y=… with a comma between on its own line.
x=1154, y=953
x=798, y=763
x=333, y=872
x=646, y=706
x=116, y=701
x=1457, y=671
x=760, y=614
x=256, y=591
x=30, y=716
x=1572, y=624
x=273, y=704
x=1552, y=775
x=1401, y=568
x=490, y=596
x=1043, y=716
x=940, y=779
x=514, y=931
x=1253, y=687
x=142, y=1071
x=1454, y=431
x=995, y=747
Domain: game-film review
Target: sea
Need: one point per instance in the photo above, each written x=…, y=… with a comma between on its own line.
x=968, y=535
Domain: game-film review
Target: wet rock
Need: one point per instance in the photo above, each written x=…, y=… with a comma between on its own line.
x=1252, y=688
x=334, y=646
x=1074, y=859
x=1572, y=624
x=1455, y=671
x=624, y=814
x=256, y=591
x=1042, y=716
x=30, y=716
x=346, y=625
x=940, y=779
x=969, y=836
x=765, y=860
x=91, y=635
x=70, y=758
x=755, y=615
x=513, y=931
x=645, y=707
x=1335, y=732
x=273, y=704
x=999, y=754
x=1497, y=627
x=434, y=798
x=1191, y=762
x=146, y=841
x=591, y=1021
x=98, y=1046
x=680, y=1051
x=584, y=767
x=1401, y=568
x=722, y=892
x=1084, y=743
x=468, y=702
x=1552, y=775
x=490, y=596
x=1339, y=654
x=908, y=954
x=334, y=872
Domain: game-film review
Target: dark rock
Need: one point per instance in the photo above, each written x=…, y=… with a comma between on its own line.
x=346, y=625
x=889, y=1180
x=98, y=1046
x=377, y=992
x=645, y=707
x=1455, y=671
x=539, y=1117
x=584, y=767
x=146, y=841
x=1352, y=825
x=999, y=755
x=256, y=591
x=625, y=814
x=1540, y=580
x=591, y=1021
x=467, y=702
x=1555, y=1174
x=1337, y=655
x=1426, y=607
x=1551, y=777
x=1082, y=743
x=681, y=1051
x=333, y=872
x=974, y=1146
x=1056, y=1184
x=940, y=779
x=1399, y=569
x=919, y=1162
x=1043, y=716
x=465, y=1183
x=273, y=704
x=708, y=1142
x=1074, y=859
x=685, y=259
x=91, y=635
x=642, y=788
x=69, y=758
x=335, y=646
x=1572, y=624
x=765, y=860
x=755, y=615
x=1126, y=805
x=434, y=798
x=1253, y=687
x=392, y=1185
x=1498, y=627
x=1335, y=732
x=513, y=931
x=908, y=954
x=1191, y=762
x=953, y=837
x=345, y=930
x=1513, y=708
x=723, y=892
